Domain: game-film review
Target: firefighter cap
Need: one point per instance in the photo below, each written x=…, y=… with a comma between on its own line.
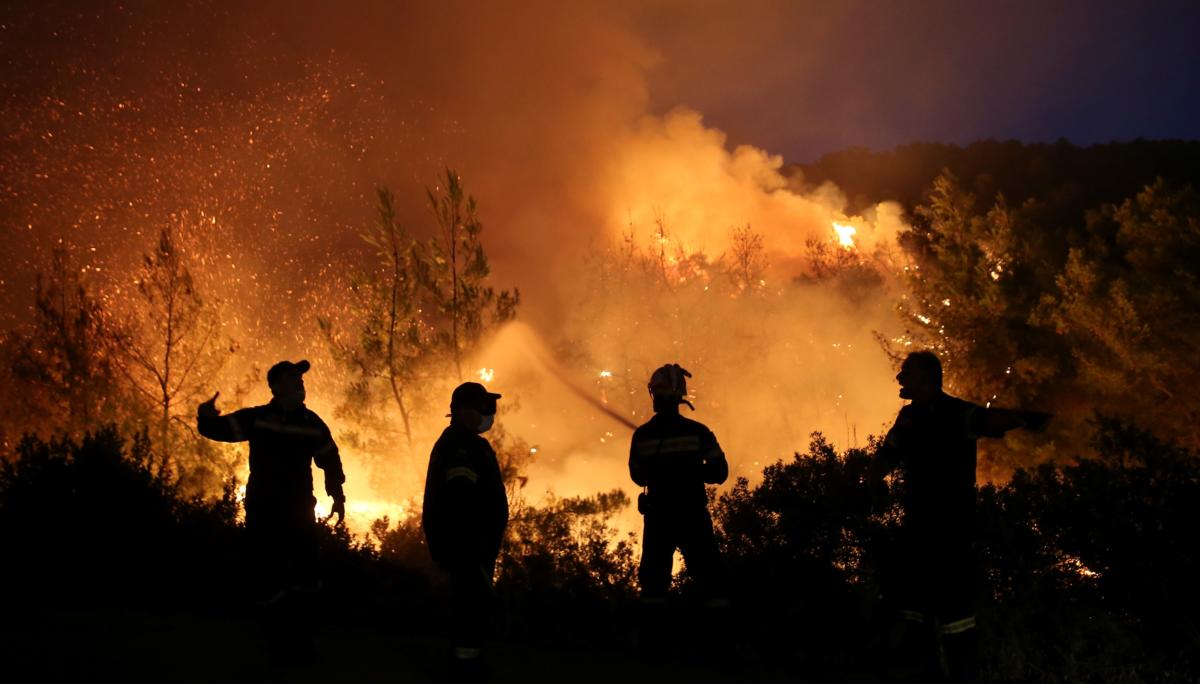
x=279, y=370
x=473, y=395
x=670, y=381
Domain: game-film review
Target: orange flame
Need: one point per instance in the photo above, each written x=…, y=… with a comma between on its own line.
x=845, y=234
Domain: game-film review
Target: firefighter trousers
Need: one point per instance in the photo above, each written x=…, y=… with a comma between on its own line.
x=690, y=530
x=472, y=601
x=283, y=549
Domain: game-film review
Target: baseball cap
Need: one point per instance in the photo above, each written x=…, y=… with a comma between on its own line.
x=473, y=395
x=279, y=370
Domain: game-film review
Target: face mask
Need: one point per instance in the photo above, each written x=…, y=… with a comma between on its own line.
x=291, y=400
x=485, y=423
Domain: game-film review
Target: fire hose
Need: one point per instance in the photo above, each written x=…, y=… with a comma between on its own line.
x=537, y=349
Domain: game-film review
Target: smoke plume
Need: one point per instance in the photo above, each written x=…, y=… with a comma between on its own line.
x=262, y=131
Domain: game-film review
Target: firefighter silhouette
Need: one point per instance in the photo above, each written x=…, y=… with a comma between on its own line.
x=286, y=438
x=673, y=458
x=930, y=578
x=464, y=516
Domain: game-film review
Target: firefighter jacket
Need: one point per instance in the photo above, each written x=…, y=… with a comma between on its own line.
x=934, y=445
x=466, y=507
x=283, y=445
x=674, y=457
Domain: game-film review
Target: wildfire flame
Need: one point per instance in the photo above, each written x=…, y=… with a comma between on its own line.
x=1074, y=564
x=486, y=374
x=845, y=234
x=360, y=513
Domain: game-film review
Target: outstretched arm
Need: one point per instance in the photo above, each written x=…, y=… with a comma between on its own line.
x=233, y=427
x=994, y=422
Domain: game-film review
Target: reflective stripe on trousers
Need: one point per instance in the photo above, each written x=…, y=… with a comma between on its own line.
x=955, y=627
x=941, y=630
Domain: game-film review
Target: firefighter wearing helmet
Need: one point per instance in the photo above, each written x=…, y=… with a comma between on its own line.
x=673, y=458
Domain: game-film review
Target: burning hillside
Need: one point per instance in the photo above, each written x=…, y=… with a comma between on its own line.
x=670, y=247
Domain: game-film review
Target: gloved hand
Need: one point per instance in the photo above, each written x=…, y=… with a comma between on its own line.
x=208, y=409
x=339, y=509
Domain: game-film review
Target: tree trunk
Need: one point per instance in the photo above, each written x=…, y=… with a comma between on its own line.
x=398, y=395
x=393, y=313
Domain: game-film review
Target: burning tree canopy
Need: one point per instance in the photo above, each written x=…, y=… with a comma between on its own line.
x=62, y=364
x=415, y=320
x=172, y=345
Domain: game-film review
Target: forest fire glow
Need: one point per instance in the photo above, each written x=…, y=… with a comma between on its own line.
x=689, y=262
x=845, y=234
x=361, y=513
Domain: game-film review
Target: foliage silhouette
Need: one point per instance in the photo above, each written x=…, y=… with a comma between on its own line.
x=1086, y=574
x=63, y=374
x=1083, y=568
x=170, y=349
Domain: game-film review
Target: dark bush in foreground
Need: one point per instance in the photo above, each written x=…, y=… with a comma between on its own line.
x=1088, y=572
x=1091, y=570
x=93, y=523
x=565, y=573
x=89, y=521
x=801, y=549
x=563, y=576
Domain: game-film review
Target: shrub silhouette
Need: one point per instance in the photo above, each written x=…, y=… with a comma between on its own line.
x=1087, y=571
x=92, y=522
x=803, y=547
x=564, y=573
x=90, y=519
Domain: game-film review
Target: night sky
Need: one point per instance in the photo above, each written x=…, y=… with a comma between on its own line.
x=804, y=79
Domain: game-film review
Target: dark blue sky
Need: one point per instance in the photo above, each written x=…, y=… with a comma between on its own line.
x=803, y=79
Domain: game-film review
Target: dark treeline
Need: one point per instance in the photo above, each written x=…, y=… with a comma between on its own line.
x=1087, y=574
x=1048, y=275
x=1078, y=178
